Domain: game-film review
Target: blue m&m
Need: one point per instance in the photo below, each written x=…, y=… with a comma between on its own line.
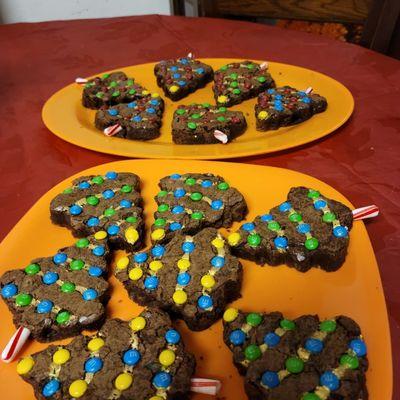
x=266, y=217
x=93, y=221
x=218, y=261
x=158, y=250
x=188, y=247
x=330, y=380
x=140, y=257
x=162, y=380
x=340, y=231
x=180, y=192
x=96, y=271
x=183, y=278
x=181, y=83
x=99, y=251
x=108, y=194
x=50, y=277
x=150, y=110
x=270, y=379
x=359, y=347
x=314, y=345
x=200, y=70
x=151, y=282
x=89, y=294
x=137, y=118
x=132, y=104
x=249, y=226
x=286, y=206
x=154, y=102
x=75, y=209
x=216, y=204
x=111, y=175
x=175, y=176
x=206, y=183
x=113, y=112
x=319, y=204
x=51, y=387
x=280, y=242
x=172, y=336
x=113, y=230
x=44, y=307
x=303, y=228
x=306, y=100
x=84, y=185
x=93, y=365
x=205, y=302
x=176, y=75
x=174, y=68
x=125, y=203
x=9, y=290
x=175, y=226
x=131, y=357
x=60, y=258
x=237, y=337
x=178, y=210
x=271, y=339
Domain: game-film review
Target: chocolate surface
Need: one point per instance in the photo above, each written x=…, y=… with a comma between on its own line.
x=178, y=78
x=190, y=202
x=110, y=203
x=135, y=359
x=59, y=296
x=197, y=123
x=306, y=230
x=192, y=277
x=305, y=359
x=236, y=82
x=285, y=106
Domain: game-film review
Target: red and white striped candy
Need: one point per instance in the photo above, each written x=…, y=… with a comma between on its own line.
x=365, y=212
x=263, y=66
x=221, y=136
x=190, y=55
x=112, y=130
x=15, y=344
x=81, y=81
x=308, y=90
x=205, y=386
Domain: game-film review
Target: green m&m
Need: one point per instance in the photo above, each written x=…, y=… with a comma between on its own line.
x=23, y=299
x=92, y=200
x=180, y=111
x=236, y=91
x=195, y=116
x=234, y=84
x=261, y=79
x=197, y=215
x=113, y=84
x=67, y=287
x=294, y=365
x=222, y=109
x=224, y=68
x=234, y=75
x=126, y=189
x=310, y=396
x=254, y=239
x=32, y=269
x=254, y=319
x=82, y=243
x=99, y=95
x=221, y=119
x=162, y=193
x=196, y=196
x=132, y=91
x=252, y=352
x=192, y=125
x=109, y=212
x=287, y=324
x=105, y=76
x=163, y=208
x=206, y=105
x=311, y=243
x=129, y=82
x=349, y=361
x=190, y=181
x=67, y=191
x=131, y=219
x=328, y=326
x=295, y=217
x=313, y=194
x=63, y=317
x=98, y=180
x=328, y=217
x=160, y=222
x=273, y=226
x=223, y=186
x=116, y=93
x=77, y=265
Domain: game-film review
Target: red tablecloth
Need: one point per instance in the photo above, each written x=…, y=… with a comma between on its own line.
x=361, y=159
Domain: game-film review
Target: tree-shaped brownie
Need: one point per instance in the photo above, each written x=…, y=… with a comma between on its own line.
x=111, y=89
x=140, y=359
x=285, y=106
x=111, y=202
x=59, y=296
x=239, y=81
x=303, y=359
x=192, y=277
x=306, y=230
x=137, y=120
x=204, y=124
x=182, y=76
x=190, y=202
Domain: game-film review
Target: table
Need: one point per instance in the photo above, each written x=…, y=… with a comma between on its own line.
x=361, y=159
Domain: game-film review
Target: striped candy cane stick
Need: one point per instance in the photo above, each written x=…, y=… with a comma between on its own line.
x=308, y=90
x=365, y=212
x=112, y=130
x=263, y=66
x=205, y=386
x=190, y=55
x=221, y=136
x=15, y=344
x=81, y=81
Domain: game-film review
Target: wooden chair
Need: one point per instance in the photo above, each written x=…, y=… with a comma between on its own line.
x=381, y=18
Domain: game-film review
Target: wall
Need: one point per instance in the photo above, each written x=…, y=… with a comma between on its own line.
x=47, y=10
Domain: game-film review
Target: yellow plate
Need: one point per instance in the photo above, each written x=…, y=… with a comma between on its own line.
x=64, y=115
x=354, y=290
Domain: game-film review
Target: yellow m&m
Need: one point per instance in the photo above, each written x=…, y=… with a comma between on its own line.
x=173, y=88
x=100, y=235
x=135, y=273
x=122, y=263
x=137, y=324
x=123, y=381
x=222, y=99
x=218, y=243
x=155, y=94
x=77, y=388
x=179, y=297
x=158, y=234
x=145, y=92
x=95, y=344
x=262, y=115
x=183, y=264
x=25, y=365
x=61, y=356
x=156, y=398
x=166, y=358
x=131, y=235
x=207, y=281
x=230, y=314
x=234, y=239
x=155, y=265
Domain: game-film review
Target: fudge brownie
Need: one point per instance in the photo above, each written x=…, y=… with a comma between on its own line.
x=57, y=297
x=306, y=230
x=236, y=82
x=137, y=120
x=140, y=359
x=192, y=277
x=111, y=89
x=303, y=359
x=204, y=124
x=190, y=202
x=109, y=202
x=183, y=76
x=285, y=106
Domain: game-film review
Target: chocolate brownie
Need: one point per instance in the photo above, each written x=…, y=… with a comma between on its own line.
x=192, y=277
x=236, y=82
x=111, y=202
x=183, y=76
x=204, y=124
x=285, y=106
x=111, y=89
x=137, y=120
x=140, y=359
x=57, y=297
x=303, y=359
x=190, y=202
x=306, y=230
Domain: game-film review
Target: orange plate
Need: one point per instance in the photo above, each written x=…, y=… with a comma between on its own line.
x=354, y=290
x=64, y=115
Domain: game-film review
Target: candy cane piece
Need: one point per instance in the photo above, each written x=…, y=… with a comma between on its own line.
x=81, y=81
x=308, y=90
x=365, y=212
x=15, y=344
x=112, y=130
x=205, y=386
x=264, y=66
x=221, y=136
x=190, y=55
